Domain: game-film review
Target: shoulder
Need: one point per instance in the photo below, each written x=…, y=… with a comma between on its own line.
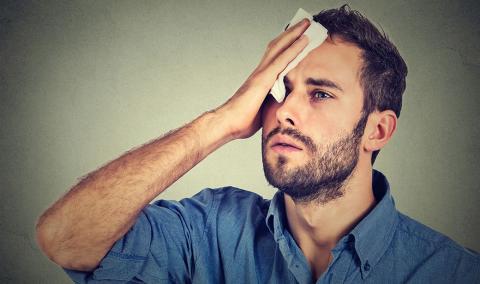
x=425, y=236
x=229, y=200
x=211, y=201
x=415, y=231
x=434, y=251
x=231, y=209
x=208, y=196
x=231, y=193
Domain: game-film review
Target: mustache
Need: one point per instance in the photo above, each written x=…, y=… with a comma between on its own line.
x=295, y=134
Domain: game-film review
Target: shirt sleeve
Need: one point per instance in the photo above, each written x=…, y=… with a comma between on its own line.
x=159, y=248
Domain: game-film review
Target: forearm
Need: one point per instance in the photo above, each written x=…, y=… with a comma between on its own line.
x=79, y=229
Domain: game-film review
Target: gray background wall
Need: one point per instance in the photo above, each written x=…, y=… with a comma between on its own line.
x=82, y=82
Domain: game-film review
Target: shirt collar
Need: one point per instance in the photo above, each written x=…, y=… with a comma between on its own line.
x=372, y=235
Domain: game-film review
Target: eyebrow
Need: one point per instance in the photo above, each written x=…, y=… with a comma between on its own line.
x=316, y=82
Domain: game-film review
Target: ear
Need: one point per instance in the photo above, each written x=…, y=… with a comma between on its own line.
x=379, y=130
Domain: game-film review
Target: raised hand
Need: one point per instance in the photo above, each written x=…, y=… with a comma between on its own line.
x=241, y=113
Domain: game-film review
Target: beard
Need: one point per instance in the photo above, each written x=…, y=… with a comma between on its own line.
x=323, y=177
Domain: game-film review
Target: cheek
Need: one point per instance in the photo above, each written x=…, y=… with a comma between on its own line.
x=324, y=126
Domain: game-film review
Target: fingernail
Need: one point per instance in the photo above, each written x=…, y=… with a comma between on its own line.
x=302, y=22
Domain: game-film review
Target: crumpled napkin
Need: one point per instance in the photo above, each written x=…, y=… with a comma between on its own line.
x=316, y=34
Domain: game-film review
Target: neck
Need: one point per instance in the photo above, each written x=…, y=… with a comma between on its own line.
x=317, y=227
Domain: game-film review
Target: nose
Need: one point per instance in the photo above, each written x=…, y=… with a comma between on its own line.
x=288, y=113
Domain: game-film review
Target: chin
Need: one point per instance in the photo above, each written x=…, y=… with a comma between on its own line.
x=294, y=158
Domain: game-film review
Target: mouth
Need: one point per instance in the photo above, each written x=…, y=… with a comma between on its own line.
x=284, y=144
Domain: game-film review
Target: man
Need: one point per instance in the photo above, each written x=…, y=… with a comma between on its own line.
x=332, y=220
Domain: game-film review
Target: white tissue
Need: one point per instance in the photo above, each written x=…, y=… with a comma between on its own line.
x=316, y=34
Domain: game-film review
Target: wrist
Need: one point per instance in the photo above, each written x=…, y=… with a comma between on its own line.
x=212, y=131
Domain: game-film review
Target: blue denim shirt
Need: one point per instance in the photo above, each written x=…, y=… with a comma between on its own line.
x=230, y=235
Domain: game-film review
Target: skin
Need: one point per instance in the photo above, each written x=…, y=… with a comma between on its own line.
x=78, y=230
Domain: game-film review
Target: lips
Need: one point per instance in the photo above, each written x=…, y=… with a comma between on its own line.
x=283, y=143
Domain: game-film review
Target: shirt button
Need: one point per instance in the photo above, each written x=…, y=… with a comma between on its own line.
x=366, y=266
x=351, y=245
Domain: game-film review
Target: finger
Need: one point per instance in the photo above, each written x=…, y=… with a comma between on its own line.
x=284, y=40
x=280, y=62
x=303, y=24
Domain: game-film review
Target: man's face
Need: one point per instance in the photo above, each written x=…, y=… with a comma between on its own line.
x=310, y=141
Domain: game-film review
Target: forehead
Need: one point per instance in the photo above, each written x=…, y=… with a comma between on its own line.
x=335, y=60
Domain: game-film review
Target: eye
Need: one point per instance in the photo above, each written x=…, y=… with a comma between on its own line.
x=287, y=91
x=320, y=95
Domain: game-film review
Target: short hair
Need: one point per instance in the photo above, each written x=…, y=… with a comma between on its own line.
x=383, y=73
